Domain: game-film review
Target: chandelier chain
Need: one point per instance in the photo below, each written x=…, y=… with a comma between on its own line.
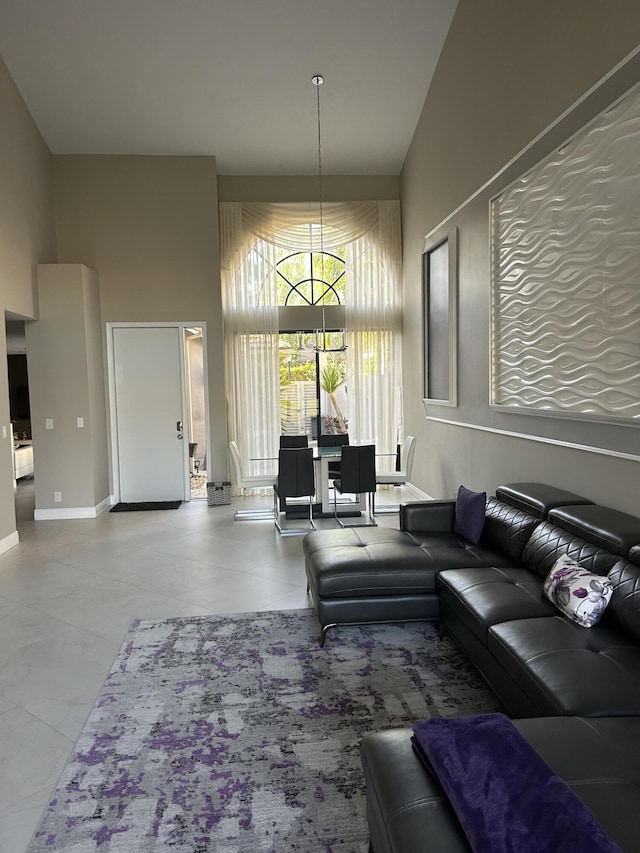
x=318, y=81
x=324, y=347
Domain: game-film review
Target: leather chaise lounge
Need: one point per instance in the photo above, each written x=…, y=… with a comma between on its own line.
x=577, y=688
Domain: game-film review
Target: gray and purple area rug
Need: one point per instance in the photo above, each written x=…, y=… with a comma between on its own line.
x=239, y=733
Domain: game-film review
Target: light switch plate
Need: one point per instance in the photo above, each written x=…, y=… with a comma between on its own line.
x=4, y=432
x=80, y=422
x=48, y=424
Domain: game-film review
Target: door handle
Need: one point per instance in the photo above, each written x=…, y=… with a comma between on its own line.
x=179, y=426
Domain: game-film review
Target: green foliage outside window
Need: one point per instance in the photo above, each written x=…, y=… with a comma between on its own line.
x=311, y=278
x=332, y=377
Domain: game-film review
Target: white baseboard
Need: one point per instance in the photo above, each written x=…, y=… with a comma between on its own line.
x=9, y=542
x=414, y=494
x=105, y=505
x=72, y=512
x=419, y=494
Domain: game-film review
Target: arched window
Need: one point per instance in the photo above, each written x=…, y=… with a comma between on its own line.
x=311, y=278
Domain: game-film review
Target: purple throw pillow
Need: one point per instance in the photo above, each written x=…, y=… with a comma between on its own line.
x=470, y=513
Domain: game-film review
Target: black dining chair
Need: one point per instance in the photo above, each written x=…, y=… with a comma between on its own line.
x=296, y=479
x=294, y=441
x=358, y=476
x=334, y=440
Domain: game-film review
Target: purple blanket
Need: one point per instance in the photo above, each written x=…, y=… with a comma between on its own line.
x=506, y=796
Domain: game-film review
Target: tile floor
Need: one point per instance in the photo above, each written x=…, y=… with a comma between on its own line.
x=68, y=592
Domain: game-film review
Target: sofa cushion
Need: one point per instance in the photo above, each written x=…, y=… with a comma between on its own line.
x=448, y=549
x=469, y=520
x=624, y=608
x=608, y=528
x=537, y=498
x=507, y=529
x=375, y=561
x=579, y=594
x=549, y=541
x=365, y=561
x=483, y=597
x=566, y=669
x=321, y=540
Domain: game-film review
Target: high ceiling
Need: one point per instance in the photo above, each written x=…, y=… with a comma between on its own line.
x=230, y=78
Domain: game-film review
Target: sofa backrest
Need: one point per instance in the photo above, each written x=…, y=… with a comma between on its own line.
x=538, y=499
x=594, y=536
x=624, y=607
x=507, y=529
x=611, y=529
x=513, y=513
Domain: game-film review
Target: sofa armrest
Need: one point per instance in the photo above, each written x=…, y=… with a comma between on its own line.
x=428, y=516
x=407, y=810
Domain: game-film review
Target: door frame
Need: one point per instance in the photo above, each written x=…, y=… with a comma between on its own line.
x=111, y=385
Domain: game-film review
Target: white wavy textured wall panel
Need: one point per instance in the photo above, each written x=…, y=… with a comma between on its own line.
x=566, y=276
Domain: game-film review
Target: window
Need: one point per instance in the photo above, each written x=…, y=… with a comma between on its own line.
x=281, y=285
x=312, y=383
x=311, y=278
x=313, y=386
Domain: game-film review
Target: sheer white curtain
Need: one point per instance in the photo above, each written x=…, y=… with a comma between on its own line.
x=373, y=319
x=251, y=335
x=251, y=235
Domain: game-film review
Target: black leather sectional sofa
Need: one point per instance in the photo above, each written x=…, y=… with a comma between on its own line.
x=371, y=574
x=578, y=687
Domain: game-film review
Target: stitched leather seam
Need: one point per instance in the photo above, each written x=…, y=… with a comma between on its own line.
x=520, y=666
x=436, y=798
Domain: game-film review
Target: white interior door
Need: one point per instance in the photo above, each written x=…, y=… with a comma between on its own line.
x=149, y=410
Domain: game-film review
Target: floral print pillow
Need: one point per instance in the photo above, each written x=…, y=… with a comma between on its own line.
x=579, y=594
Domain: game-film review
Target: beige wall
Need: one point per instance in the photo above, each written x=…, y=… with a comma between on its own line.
x=98, y=461
x=7, y=503
x=27, y=233
x=149, y=227
x=27, y=237
x=508, y=70
x=284, y=188
x=66, y=381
